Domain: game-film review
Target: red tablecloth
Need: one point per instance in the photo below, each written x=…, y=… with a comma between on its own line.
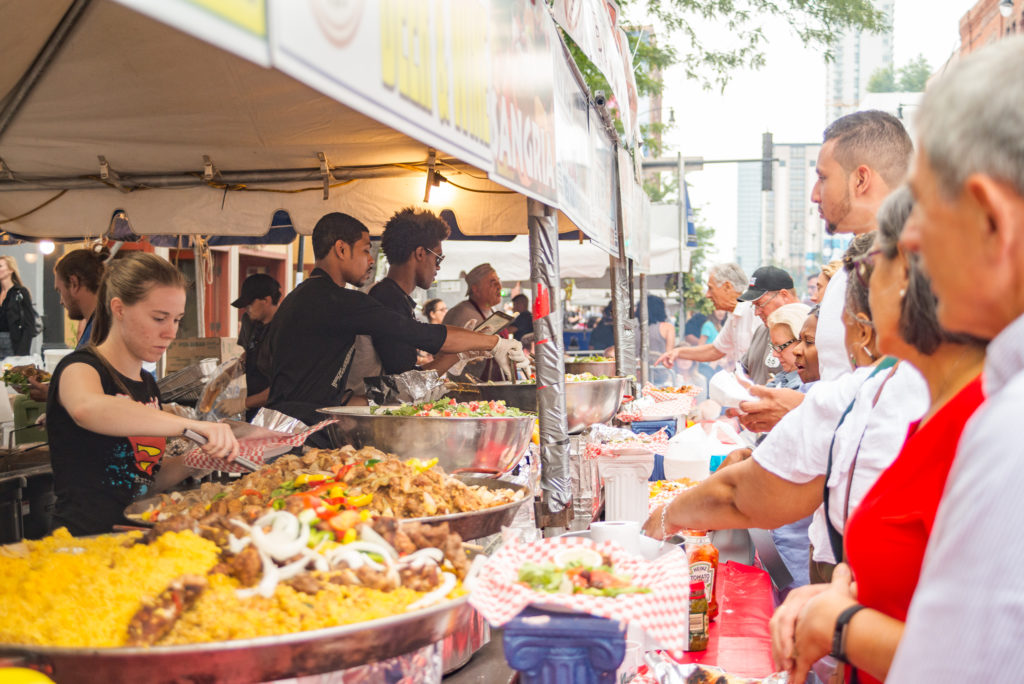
x=739, y=641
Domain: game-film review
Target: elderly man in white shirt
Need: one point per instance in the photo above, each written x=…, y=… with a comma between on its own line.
x=725, y=284
x=966, y=621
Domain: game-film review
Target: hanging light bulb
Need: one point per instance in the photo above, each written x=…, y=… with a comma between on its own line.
x=46, y=246
x=1006, y=8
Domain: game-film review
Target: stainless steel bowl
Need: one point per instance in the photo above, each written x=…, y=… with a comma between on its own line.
x=595, y=367
x=491, y=446
x=586, y=402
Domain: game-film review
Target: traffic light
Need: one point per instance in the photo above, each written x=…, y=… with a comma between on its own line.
x=767, y=151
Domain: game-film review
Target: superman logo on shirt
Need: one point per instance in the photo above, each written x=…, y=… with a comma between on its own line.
x=147, y=452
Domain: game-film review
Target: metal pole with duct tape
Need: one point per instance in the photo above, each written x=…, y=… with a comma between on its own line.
x=555, y=507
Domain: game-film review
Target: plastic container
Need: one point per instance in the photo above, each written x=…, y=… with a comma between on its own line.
x=625, y=474
x=687, y=459
x=563, y=648
x=51, y=357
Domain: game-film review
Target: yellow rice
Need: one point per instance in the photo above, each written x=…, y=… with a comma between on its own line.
x=59, y=596
x=219, y=616
x=66, y=591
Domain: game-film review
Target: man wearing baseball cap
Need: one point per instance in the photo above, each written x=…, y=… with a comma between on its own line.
x=769, y=289
x=259, y=297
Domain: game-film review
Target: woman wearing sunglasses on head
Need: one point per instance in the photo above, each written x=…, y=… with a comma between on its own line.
x=886, y=534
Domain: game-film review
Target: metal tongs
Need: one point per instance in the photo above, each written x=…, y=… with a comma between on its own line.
x=201, y=440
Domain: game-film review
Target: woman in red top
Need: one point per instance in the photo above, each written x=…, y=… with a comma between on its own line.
x=886, y=536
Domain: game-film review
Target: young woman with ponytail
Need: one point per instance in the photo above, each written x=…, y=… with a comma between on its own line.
x=107, y=432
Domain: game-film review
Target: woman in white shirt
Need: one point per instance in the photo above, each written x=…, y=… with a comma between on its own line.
x=785, y=479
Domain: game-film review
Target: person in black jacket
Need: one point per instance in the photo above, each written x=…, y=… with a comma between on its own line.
x=18, y=319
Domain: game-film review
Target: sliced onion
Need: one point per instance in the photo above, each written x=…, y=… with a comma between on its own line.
x=351, y=557
x=286, y=538
x=437, y=595
x=292, y=569
x=418, y=558
x=235, y=545
x=368, y=534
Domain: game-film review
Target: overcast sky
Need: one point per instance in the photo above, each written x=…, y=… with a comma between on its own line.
x=787, y=97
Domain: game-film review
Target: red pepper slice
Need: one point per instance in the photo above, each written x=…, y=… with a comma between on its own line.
x=251, y=492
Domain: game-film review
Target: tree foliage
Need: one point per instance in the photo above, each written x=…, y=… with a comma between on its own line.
x=911, y=77
x=816, y=23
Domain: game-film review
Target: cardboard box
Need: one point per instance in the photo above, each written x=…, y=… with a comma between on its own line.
x=189, y=351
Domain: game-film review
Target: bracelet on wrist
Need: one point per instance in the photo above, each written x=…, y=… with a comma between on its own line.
x=841, y=628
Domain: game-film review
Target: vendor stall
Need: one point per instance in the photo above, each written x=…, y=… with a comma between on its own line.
x=183, y=118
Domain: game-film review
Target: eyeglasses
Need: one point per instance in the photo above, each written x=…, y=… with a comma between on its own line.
x=438, y=258
x=779, y=348
x=760, y=305
x=863, y=264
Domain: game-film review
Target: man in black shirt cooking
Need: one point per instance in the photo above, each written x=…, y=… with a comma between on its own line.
x=412, y=244
x=312, y=335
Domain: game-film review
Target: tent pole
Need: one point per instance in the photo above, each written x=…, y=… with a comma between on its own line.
x=555, y=507
x=645, y=341
x=625, y=352
x=42, y=61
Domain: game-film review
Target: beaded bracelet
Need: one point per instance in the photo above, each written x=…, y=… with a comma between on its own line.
x=664, y=531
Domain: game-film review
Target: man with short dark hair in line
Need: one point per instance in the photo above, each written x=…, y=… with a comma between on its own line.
x=864, y=157
x=412, y=244
x=258, y=298
x=313, y=333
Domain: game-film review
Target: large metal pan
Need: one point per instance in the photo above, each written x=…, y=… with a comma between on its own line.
x=586, y=402
x=595, y=367
x=250, y=660
x=477, y=524
x=482, y=445
x=469, y=525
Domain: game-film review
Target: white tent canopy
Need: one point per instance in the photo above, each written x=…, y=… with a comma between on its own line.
x=153, y=100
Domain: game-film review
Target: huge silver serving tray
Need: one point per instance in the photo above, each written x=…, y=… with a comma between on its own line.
x=477, y=524
x=595, y=367
x=468, y=525
x=250, y=660
x=484, y=445
x=586, y=402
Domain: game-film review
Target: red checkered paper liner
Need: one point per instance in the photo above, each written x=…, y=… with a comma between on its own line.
x=252, y=449
x=663, y=613
x=658, y=443
x=669, y=403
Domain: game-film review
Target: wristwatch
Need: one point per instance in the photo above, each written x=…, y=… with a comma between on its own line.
x=839, y=635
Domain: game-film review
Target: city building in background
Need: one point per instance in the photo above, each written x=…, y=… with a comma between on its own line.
x=782, y=227
x=749, y=230
x=857, y=55
x=988, y=21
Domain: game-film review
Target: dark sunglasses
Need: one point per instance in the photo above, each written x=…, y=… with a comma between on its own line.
x=438, y=258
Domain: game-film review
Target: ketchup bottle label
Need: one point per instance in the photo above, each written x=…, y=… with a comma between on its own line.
x=702, y=571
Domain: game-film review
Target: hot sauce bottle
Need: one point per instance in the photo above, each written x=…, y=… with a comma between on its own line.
x=703, y=557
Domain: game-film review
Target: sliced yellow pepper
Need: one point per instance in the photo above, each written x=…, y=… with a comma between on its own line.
x=360, y=501
x=335, y=492
x=364, y=516
x=350, y=536
x=306, y=478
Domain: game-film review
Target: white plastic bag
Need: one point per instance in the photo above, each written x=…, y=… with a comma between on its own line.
x=726, y=389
